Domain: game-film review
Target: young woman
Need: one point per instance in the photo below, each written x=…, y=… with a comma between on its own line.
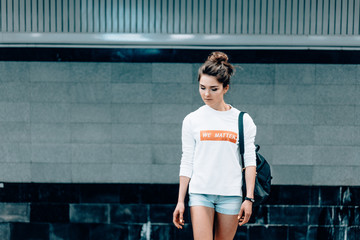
x=210, y=164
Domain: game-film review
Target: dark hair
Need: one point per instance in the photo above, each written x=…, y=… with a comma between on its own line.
x=217, y=65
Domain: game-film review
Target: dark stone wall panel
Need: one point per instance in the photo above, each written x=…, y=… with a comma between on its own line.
x=49, y=213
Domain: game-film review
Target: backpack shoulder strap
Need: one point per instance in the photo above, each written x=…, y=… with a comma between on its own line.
x=241, y=137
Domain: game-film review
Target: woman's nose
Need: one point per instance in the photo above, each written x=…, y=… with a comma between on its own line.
x=206, y=93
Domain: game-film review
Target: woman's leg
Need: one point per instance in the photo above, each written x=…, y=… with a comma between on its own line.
x=225, y=226
x=202, y=219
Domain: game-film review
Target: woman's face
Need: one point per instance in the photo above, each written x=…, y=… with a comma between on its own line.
x=212, y=91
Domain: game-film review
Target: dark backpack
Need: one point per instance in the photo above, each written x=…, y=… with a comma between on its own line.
x=263, y=172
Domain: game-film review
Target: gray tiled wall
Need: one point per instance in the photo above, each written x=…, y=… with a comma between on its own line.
x=121, y=122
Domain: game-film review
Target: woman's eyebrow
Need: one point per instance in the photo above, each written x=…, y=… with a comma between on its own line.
x=210, y=86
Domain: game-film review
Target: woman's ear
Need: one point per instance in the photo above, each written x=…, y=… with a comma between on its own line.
x=226, y=89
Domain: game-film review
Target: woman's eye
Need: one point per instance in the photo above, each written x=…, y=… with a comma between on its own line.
x=202, y=88
x=214, y=89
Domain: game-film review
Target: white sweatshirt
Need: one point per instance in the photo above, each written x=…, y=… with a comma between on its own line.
x=210, y=152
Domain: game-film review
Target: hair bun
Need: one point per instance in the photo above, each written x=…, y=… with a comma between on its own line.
x=218, y=57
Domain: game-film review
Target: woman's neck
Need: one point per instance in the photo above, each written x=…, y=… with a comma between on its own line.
x=221, y=107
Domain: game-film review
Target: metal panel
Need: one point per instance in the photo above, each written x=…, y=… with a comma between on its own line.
x=226, y=17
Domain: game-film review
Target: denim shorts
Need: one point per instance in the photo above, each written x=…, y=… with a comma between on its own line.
x=229, y=205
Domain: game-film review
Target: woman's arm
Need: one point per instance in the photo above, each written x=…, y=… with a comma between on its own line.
x=246, y=206
x=250, y=168
x=178, y=215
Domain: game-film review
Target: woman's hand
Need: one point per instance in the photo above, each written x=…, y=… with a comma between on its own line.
x=178, y=215
x=245, y=212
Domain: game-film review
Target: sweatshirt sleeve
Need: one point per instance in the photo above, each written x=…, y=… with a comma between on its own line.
x=188, y=148
x=249, y=136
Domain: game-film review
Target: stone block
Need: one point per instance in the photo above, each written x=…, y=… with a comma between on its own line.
x=268, y=232
x=91, y=153
x=14, y=212
x=294, y=135
x=170, y=113
x=195, y=72
x=168, y=93
x=346, y=216
x=350, y=196
x=89, y=213
x=336, y=95
x=264, y=135
x=131, y=113
x=14, y=72
x=166, y=133
x=129, y=213
x=12, y=132
x=168, y=192
x=353, y=232
x=132, y=153
x=259, y=113
x=91, y=172
x=288, y=155
x=297, y=232
x=90, y=113
x=99, y=193
x=260, y=215
x=254, y=74
x=131, y=173
x=336, y=175
x=50, y=92
x=131, y=72
x=293, y=195
x=50, y=112
x=339, y=74
x=5, y=231
x=131, y=133
x=162, y=213
x=320, y=215
x=166, y=153
x=112, y=232
x=72, y=231
x=91, y=132
x=49, y=212
x=50, y=133
x=171, y=73
x=292, y=174
x=14, y=91
x=292, y=114
x=251, y=94
x=334, y=115
x=50, y=153
x=50, y=71
x=14, y=112
x=90, y=93
x=15, y=172
x=337, y=135
x=51, y=172
x=357, y=115
x=165, y=173
x=330, y=196
x=90, y=72
x=295, y=74
x=326, y=232
x=196, y=98
x=288, y=215
x=162, y=232
x=131, y=93
x=15, y=152
x=294, y=94
x=21, y=231
x=336, y=155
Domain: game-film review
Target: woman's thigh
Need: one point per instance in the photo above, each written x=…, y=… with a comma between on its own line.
x=202, y=219
x=225, y=226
